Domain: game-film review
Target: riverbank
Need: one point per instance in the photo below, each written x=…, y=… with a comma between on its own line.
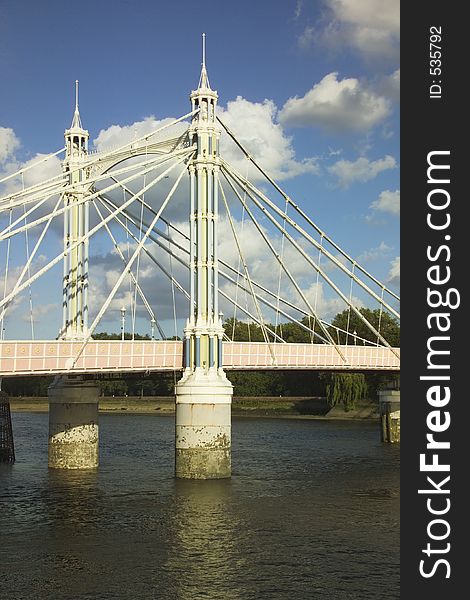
x=268, y=406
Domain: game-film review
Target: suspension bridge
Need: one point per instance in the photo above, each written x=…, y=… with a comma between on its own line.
x=127, y=197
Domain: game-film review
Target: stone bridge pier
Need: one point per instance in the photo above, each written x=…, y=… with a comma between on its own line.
x=389, y=407
x=73, y=423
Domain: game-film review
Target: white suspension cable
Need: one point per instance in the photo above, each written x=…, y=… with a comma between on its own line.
x=245, y=268
x=318, y=269
x=123, y=259
x=26, y=268
x=145, y=137
x=299, y=210
x=280, y=268
x=5, y=283
x=31, y=166
x=134, y=220
x=86, y=198
x=105, y=202
x=30, y=295
x=282, y=264
x=91, y=232
x=173, y=289
x=380, y=316
x=35, y=193
x=128, y=266
x=223, y=274
x=21, y=217
x=317, y=283
x=305, y=235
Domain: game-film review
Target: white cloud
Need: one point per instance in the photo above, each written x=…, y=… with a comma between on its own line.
x=394, y=273
x=374, y=253
x=256, y=126
x=389, y=86
x=371, y=27
x=336, y=105
x=9, y=143
x=47, y=169
x=388, y=202
x=117, y=135
x=40, y=311
x=361, y=169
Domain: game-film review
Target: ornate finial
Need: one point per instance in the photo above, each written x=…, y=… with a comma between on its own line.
x=204, y=50
x=204, y=79
x=76, y=95
x=76, y=121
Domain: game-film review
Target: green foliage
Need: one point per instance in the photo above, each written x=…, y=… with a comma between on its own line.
x=389, y=327
x=33, y=386
x=244, y=331
x=241, y=331
x=345, y=388
x=104, y=335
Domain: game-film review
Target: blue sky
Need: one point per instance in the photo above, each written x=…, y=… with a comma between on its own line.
x=320, y=78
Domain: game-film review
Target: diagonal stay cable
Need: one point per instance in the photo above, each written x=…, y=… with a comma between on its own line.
x=174, y=281
x=245, y=268
x=319, y=246
x=133, y=219
x=26, y=267
x=126, y=269
x=177, y=155
x=283, y=265
x=322, y=273
x=123, y=258
x=90, y=233
x=31, y=166
x=66, y=186
x=301, y=212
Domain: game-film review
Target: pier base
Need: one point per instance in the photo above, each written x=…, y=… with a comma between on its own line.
x=389, y=407
x=73, y=424
x=7, y=447
x=203, y=425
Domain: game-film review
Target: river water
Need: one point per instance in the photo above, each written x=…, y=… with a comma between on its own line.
x=312, y=511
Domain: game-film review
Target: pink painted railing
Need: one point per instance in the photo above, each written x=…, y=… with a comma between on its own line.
x=51, y=357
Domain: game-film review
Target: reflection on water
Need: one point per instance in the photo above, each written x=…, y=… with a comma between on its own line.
x=310, y=512
x=206, y=538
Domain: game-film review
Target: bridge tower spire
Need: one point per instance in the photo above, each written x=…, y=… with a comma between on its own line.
x=75, y=276
x=204, y=394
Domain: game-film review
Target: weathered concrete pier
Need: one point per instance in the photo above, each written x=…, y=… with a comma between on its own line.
x=73, y=424
x=389, y=406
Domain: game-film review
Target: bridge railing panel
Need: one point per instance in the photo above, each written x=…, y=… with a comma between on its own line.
x=50, y=357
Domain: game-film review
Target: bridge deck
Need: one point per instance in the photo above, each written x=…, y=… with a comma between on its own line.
x=54, y=357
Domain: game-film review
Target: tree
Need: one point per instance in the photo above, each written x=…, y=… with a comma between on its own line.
x=104, y=335
x=243, y=331
x=389, y=327
x=345, y=388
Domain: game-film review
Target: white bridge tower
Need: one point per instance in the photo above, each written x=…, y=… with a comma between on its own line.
x=76, y=222
x=73, y=402
x=204, y=394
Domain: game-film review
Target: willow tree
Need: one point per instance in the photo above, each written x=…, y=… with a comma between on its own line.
x=345, y=389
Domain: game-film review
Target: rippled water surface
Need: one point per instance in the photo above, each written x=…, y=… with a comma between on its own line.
x=312, y=511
